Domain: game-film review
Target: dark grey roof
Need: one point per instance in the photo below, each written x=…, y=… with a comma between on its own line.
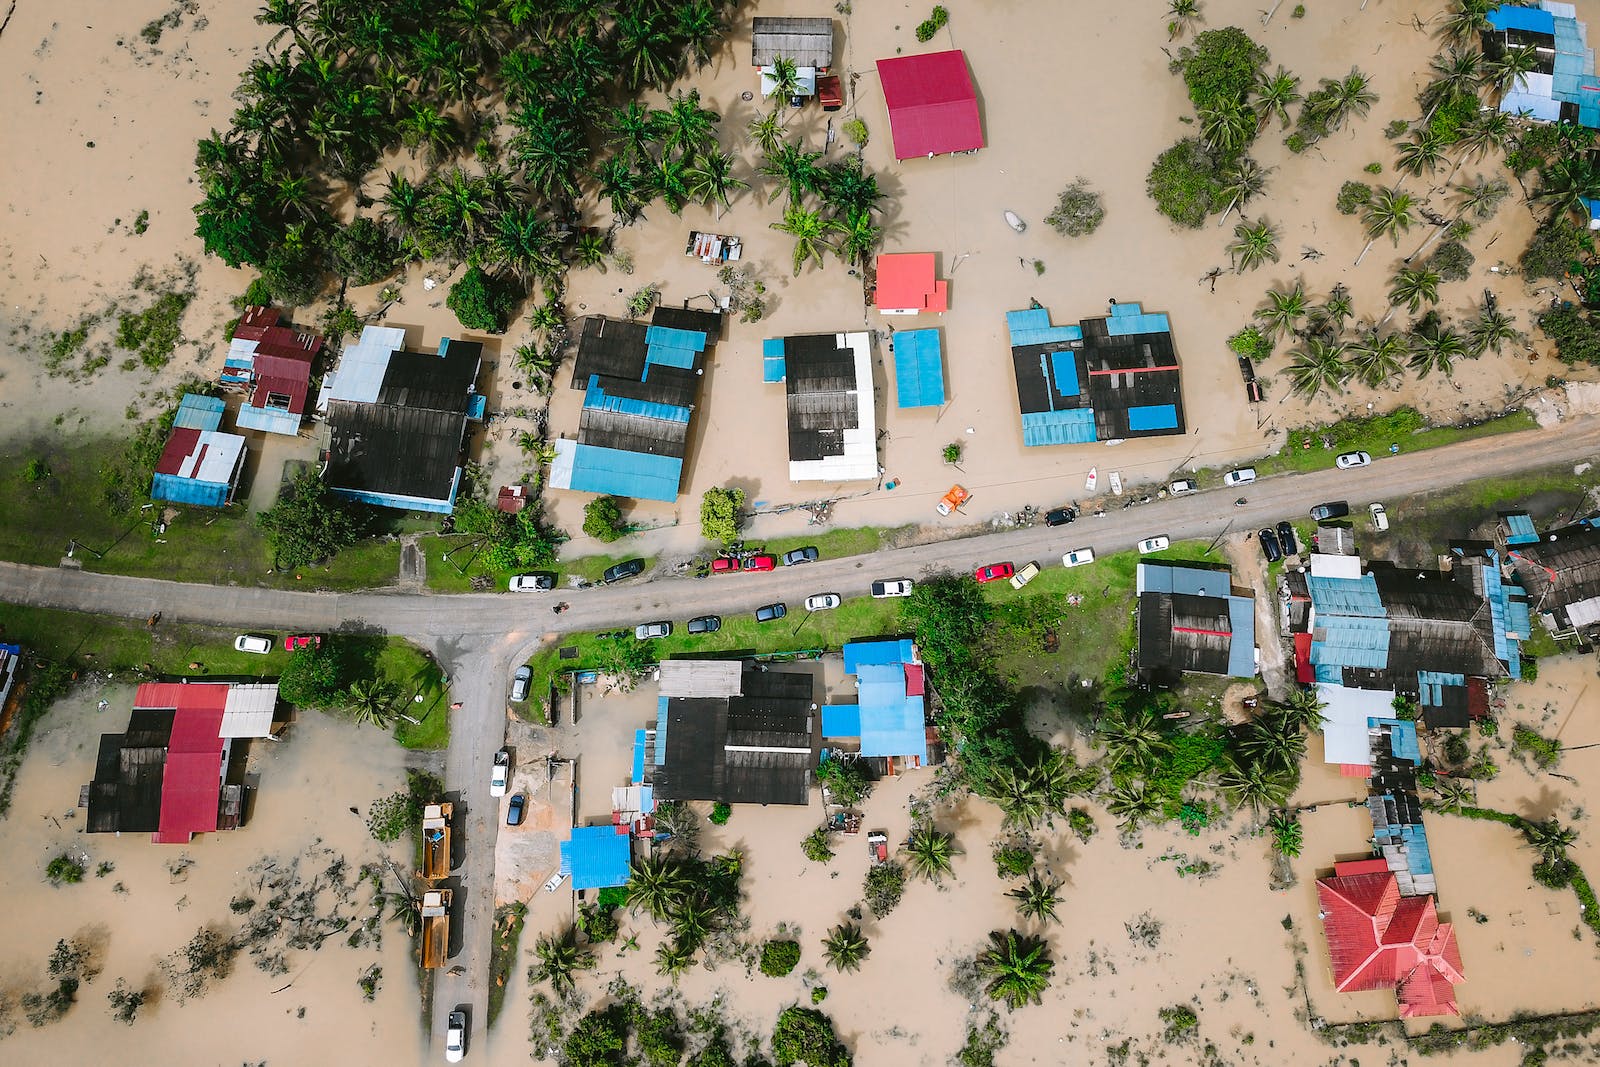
x=820, y=381
x=394, y=451
x=1170, y=637
x=706, y=736
x=706, y=322
x=1562, y=569
x=807, y=41
x=125, y=794
x=611, y=348
x=1118, y=373
x=434, y=381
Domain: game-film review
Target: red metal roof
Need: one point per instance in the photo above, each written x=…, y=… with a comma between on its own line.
x=293, y=388
x=197, y=696
x=906, y=283
x=191, y=783
x=1375, y=865
x=914, y=681
x=180, y=446
x=255, y=322
x=933, y=107
x=1378, y=939
x=1304, y=672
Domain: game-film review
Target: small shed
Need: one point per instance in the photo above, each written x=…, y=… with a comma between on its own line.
x=200, y=464
x=808, y=42
x=907, y=285
x=596, y=857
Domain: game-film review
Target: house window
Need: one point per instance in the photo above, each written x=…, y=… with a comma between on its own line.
x=278, y=400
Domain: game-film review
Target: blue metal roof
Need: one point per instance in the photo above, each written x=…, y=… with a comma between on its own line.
x=661, y=731
x=1511, y=17
x=892, y=723
x=1432, y=684
x=841, y=720
x=641, y=475
x=180, y=490
x=597, y=398
x=1153, y=417
x=773, y=366
x=1064, y=372
x=1072, y=427
x=196, y=412
x=918, y=369
x=268, y=420
x=1345, y=596
x=477, y=404
x=886, y=650
x=1032, y=327
x=1403, y=740
x=1519, y=525
x=596, y=857
x=639, y=743
x=403, y=503
x=1242, y=645
x=1176, y=578
x=1129, y=319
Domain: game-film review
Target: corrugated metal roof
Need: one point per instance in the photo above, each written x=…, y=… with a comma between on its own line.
x=639, y=475
x=359, y=375
x=933, y=107
x=249, y=710
x=918, y=369
x=892, y=722
x=196, y=412
x=890, y=650
x=806, y=41
x=596, y=857
x=699, y=678
x=841, y=721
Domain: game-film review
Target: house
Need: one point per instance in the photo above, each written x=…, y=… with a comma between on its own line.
x=10, y=668
x=906, y=285
x=1378, y=939
x=168, y=774
x=1105, y=379
x=1560, y=571
x=641, y=385
x=272, y=364
x=933, y=107
x=918, y=369
x=1398, y=834
x=398, y=420
x=199, y=464
x=730, y=732
x=597, y=857
x=888, y=720
x=1563, y=86
x=832, y=420
x=1192, y=619
x=806, y=42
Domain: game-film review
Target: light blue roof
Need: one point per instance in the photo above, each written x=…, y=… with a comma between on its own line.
x=1063, y=372
x=892, y=723
x=403, y=503
x=614, y=471
x=596, y=398
x=918, y=369
x=887, y=650
x=661, y=731
x=1176, y=578
x=773, y=366
x=596, y=857
x=1032, y=327
x=638, y=755
x=841, y=720
x=1512, y=17
x=1127, y=319
x=672, y=347
x=196, y=412
x=1403, y=740
x=268, y=420
x=1432, y=684
x=1074, y=426
x=1345, y=596
x=1519, y=525
x=1242, y=645
x=180, y=490
x=1153, y=417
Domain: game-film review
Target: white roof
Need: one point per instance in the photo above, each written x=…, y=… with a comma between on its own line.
x=700, y=678
x=214, y=458
x=566, y=450
x=1345, y=713
x=1326, y=566
x=359, y=375
x=248, y=712
x=805, y=80
x=1584, y=612
x=859, y=462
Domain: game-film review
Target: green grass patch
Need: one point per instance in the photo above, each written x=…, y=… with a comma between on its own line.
x=467, y=562
x=508, y=920
x=835, y=543
x=153, y=333
x=417, y=675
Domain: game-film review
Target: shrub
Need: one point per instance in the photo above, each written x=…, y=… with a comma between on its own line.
x=846, y=780
x=1252, y=343
x=640, y=303
x=719, y=514
x=885, y=884
x=720, y=813
x=806, y=1035
x=778, y=958
x=1184, y=183
x=1353, y=196
x=1558, y=247
x=338, y=322
x=1373, y=168
x=1545, y=751
x=1221, y=67
x=308, y=524
x=1078, y=211
x=1450, y=116
x=153, y=333
x=311, y=678
x=602, y=519
x=1013, y=861
x=1456, y=748
x=1081, y=822
x=931, y=25
x=1452, y=261
x=819, y=994
x=35, y=470
x=856, y=130
x=1179, y=1019
x=816, y=846
x=1574, y=332
x=481, y=302
x=1556, y=874
x=64, y=870
x=952, y=452
x=363, y=252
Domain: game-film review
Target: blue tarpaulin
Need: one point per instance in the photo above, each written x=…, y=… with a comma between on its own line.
x=1153, y=417
x=841, y=720
x=1520, y=529
x=596, y=857
x=918, y=369
x=1064, y=372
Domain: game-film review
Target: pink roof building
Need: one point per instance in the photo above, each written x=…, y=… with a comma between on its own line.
x=933, y=107
x=1378, y=939
x=906, y=284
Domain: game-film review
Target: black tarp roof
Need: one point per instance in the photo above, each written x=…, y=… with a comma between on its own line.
x=125, y=794
x=1162, y=645
x=702, y=760
x=396, y=451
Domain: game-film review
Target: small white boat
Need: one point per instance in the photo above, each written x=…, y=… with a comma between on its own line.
x=1093, y=480
x=1116, y=483
x=1014, y=222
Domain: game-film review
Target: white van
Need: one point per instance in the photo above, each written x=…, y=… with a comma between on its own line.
x=1380, y=517
x=1024, y=576
x=1242, y=476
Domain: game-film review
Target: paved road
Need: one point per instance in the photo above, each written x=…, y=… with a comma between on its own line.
x=478, y=636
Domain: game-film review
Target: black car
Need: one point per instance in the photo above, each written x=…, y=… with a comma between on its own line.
x=799, y=555
x=1269, y=545
x=705, y=624
x=1286, y=538
x=1333, y=509
x=628, y=568
x=771, y=612
x=514, y=810
x=1060, y=516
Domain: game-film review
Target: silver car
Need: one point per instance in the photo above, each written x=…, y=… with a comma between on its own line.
x=646, y=630
x=520, y=681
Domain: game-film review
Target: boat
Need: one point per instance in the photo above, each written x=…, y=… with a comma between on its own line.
x=1014, y=222
x=1116, y=482
x=1094, y=479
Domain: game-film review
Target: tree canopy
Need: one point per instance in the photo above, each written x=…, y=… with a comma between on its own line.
x=308, y=524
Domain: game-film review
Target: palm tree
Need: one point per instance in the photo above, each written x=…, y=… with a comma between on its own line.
x=1352, y=97
x=672, y=959
x=1455, y=794
x=558, y=957
x=1566, y=182
x=691, y=921
x=1376, y=358
x=656, y=884
x=1037, y=899
x=1132, y=802
x=1336, y=309
x=1275, y=94
x=1423, y=154
x=430, y=130
x=785, y=79
x=711, y=179
x=1316, y=366
x=1253, y=245
x=766, y=132
x=1182, y=16
x=405, y=213
x=1511, y=66
x=686, y=126
x=1020, y=799
x=847, y=186
x=1283, y=309
x=1134, y=742
x=1387, y=214
x=525, y=243
x=1481, y=197
x=699, y=26
x=643, y=46
x=589, y=249
x=633, y=129
x=929, y=851
x=845, y=947
x=1487, y=131
x=1303, y=710
x=1457, y=72
x=1490, y=329
x=1242, y=180
x=619, y=184
x=809, y=231
x=1227, y=127
x=1461, y=25
x=1436, y=349
x=372, y=701
x=1018, y=968
x=796, y=170
x=1413, y=286
x=1549, y=839
x=1273, y=741
x=1255, y=785
x=551, y=149
x=669, y=179
x=290, y=15
x=1050, y=775
x=538, y=364
x=859, y=235
x=680, y=823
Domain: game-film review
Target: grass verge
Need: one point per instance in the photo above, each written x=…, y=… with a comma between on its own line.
x=508, y=920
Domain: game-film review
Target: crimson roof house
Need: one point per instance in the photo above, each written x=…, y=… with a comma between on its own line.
x=906, y=285
x=199, y=464
x=167, y=774
x=1378, y=939
x=272, y=363
x=933, y=107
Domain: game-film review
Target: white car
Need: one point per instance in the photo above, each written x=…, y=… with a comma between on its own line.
x=500, y=774
x=255, y=643
x=531, y=583
x=1242, y=476
x=455, y=1037
x=1380, y=517
x=1182, y=486
x=1352, y=459
x=1153, y=544
x=822, y=601
x=1078, y=557
x=890, y=587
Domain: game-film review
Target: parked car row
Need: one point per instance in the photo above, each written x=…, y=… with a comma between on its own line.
x=261, y=644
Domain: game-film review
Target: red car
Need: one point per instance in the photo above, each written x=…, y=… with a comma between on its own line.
x=724, y=565
x=761, y=563
x=994, y=572
x=294, y=642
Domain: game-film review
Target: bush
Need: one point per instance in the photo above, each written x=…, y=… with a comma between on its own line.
x=602, y=519
x=363, y=252
x=778, y=958
x=1457, y=750
x=1574, y=332
x=885, y=884
x=932, y=24
x=1012, y=862
x=720, y=813
x=392, y=816
x=311, y=678
x=816, y=846
x=1452, y=261
x=1184, y=183
x=64, y=870
x=1221, y=67
x=952, y=452
x=1545, y=751
x=1553, y=875
x=1179, y=1019
x=719, y=515
x=153, y=333
x=1081, y=822
x=481, y=302
x=294, y=274
x=1078, y=211
x=308, y=524
x=1450, y=116
x=1558, y=247
x=1252, y=343
x=1353, y=196
x=856, y=130
x=846, y=779
x=806, y=1035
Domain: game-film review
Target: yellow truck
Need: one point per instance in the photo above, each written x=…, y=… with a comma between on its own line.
x=436, y=841
x=435, y=927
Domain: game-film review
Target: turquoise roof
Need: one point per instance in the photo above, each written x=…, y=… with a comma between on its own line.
x=918, y=369
x=1072, y=427
x=196, y=412
x=614, y=471
x=596, y=857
